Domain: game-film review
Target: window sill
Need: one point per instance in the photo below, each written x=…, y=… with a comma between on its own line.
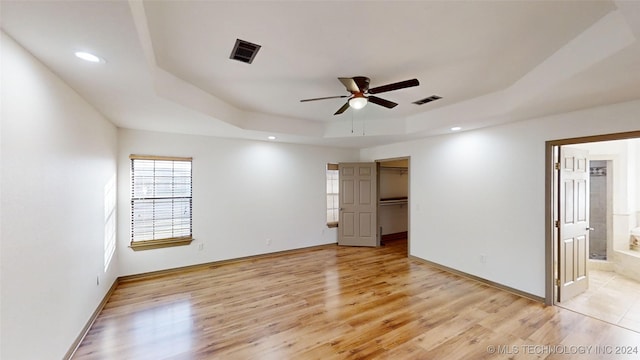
x=332, y=225
x=161, y=243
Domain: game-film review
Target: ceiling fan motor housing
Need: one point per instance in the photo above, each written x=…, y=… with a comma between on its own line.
x=362, y=82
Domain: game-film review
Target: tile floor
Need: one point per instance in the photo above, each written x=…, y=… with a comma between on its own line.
x=611, y=297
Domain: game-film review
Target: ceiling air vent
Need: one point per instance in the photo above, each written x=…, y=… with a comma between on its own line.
x=244, y=51
x=427, y=99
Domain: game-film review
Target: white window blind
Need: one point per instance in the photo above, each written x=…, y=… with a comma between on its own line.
x=160, y=198
x=332, y=194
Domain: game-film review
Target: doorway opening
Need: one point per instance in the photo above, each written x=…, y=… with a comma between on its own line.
x=594, y=247
x=393, y=201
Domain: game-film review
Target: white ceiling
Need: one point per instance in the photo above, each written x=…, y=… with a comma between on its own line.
x=168, y=68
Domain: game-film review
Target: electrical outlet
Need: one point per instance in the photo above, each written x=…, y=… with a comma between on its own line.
x=483, y=258
x=268, y=242
x=200, y=246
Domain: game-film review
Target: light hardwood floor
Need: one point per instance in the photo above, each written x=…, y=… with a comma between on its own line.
x=611, y=297
x=338, y=303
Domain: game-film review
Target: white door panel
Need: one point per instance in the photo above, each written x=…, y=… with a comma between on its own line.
x=573, y=230
x=358, y=204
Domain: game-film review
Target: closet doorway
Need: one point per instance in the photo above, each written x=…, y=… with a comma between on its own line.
x=393, y=201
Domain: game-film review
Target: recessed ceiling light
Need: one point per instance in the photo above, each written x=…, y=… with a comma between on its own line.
x=88, y=57
x=271, y=137
x=456, y=128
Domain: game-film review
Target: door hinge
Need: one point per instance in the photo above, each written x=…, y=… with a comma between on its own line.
x=556, y=166
x=556, y=223
x=557, y=282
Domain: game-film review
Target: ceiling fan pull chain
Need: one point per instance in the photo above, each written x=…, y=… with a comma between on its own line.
x=363, y=132
x=352, y=121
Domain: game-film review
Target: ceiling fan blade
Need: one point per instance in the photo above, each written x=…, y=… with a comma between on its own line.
x=394, y=86
x=342, y=109
x=350, y=84
x=324, y=98
x=382, y=102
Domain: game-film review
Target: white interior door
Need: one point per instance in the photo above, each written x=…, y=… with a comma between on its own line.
x=573, y=223
x=358, y=205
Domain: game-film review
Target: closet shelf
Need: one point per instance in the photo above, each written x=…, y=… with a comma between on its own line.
x=393, y=201
x=401, y=170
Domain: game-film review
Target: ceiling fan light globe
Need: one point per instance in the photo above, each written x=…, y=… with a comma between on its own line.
x=358, y=102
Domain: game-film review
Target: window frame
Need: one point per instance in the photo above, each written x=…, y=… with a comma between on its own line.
x=332, y=167
x=163, y=242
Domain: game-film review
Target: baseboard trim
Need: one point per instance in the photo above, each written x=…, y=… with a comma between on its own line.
x=479, y=279
x=92, y=319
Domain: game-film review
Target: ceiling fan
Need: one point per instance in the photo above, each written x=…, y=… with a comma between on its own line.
x=358, y=86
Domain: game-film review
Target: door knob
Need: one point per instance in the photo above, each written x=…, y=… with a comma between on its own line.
x=589, y=229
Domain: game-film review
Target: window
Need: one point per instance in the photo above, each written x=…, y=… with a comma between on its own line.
x=332, y=195
x=160, y=202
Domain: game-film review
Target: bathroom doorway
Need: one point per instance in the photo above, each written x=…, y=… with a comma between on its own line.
x=613, y=266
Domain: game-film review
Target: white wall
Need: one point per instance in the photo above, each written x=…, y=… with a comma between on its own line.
x=244, y=192
x=58, y=153
x=483, y=192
